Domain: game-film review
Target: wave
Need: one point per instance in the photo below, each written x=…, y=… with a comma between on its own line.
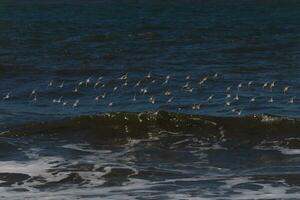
x=250, y=130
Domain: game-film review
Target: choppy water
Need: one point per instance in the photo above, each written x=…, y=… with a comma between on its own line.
x=149, y=100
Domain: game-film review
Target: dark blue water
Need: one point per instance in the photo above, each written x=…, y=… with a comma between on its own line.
x=229, y=60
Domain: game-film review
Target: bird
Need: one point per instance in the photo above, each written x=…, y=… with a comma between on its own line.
x=250, y=83
x=57, y=100
x=80, y=83
x=138, y=84
x=236, y=97
x=33, y=92
x=87, y=81
x=228, y=96
x=291, y=100
x=125, y=83
x=252, y=99
x=210, y=97
x=148, y=76
x=203, y=80
x=190, y=90
x=272, y=85
x=61, y=85
x=186, y=85
x=265, y=85
x=97, y=83
x=196, y=106
x=216, y=75
x=7, y=96
x=286, y=89
x=124, y=77
x=75, y=104
x=240, y=85
x=103, y=95
x=50, y=84
x=271, y=100
x=97, y=98
x=228, y=103
x=134, y=98
x=170, y=100
x=152, y=99
x=166, y=80
x=35, y=98
x=75, y=90
x=144, y=90
x=167, y=93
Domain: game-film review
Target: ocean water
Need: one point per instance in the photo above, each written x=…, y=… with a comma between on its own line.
x=149, y=99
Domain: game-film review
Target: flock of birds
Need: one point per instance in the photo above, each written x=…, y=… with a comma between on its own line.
x=141, y=88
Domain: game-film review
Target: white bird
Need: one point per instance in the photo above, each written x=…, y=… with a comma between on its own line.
x=250, y=83
x=137, y=84
x=7, y=96
x=210, y=97
x=236, y=97
x=186, y=85
x=97, y=83
x=33, y=92
x=57, y=100
x=50, y=83
x=240, y=85
x=134, y=98
x=148, y=75
x=75, y=104
x=166, y=80
x=75, y=90
x=239, y=112
x=272, y=84
x=80, y=83
x=190, y=90
x=124, y=77
x=253, y=99
x=87, y=81
x=115, y=88
x=144, y=91
x=203, y=80
x=61, y=85
x=97, y=98
x=110, y=104
x=152, y=100
x=168, y=93
x=271, y=100
x=196, y=106
x=170, y=100
x=291, y=100
x=265, y=85
x=35, y=98
x=286, y=89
